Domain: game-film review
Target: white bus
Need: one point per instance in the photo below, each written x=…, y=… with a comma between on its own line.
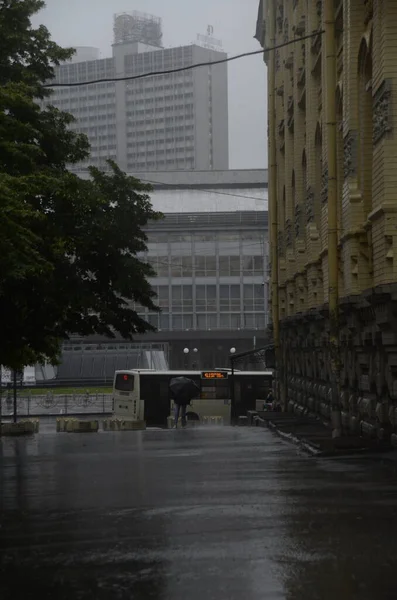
x=144, y=395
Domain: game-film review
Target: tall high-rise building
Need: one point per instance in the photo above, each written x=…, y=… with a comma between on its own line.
x=173, y=121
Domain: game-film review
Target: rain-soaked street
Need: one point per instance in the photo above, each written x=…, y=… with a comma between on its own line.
x=200, y=514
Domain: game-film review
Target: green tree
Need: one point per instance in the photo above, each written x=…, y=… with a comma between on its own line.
x=68, y=247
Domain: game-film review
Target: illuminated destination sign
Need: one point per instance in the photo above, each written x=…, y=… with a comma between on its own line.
x=214, y=375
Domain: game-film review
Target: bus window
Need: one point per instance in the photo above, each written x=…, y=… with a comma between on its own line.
x=124, y=382
x=215, y=390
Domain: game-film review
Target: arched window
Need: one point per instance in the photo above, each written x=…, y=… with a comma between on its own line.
x=281, y=221
x=303, y=210
x=339, y=156
x=365, y=127
x=304, y=176
x=318, y=149
x=293, y=206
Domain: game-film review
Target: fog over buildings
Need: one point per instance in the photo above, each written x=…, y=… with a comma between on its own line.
x=90, y=23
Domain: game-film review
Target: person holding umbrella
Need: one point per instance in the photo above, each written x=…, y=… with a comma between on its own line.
x=183, y=390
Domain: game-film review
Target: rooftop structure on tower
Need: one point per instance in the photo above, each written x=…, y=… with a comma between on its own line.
x=138, y=27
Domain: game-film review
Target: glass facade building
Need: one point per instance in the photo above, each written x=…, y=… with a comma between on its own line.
x=211, y=271
x=210, y=255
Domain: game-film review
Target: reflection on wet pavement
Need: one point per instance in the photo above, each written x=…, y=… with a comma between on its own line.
x=200, y=514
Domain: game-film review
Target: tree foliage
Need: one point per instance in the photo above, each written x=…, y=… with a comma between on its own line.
x=68, y=247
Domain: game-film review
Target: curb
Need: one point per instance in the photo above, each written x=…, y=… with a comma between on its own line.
x=315, y=450
x=289, y=437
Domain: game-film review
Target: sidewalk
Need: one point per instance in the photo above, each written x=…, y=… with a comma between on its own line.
x=312, y=434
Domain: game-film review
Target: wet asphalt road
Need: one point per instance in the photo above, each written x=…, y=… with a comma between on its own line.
x=197, y=514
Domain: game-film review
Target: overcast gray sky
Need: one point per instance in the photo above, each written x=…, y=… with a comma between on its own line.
x=90, y=23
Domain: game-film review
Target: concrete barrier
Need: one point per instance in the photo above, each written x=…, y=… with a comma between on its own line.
x=123, y=425
x=76, y=426
x=25, y=427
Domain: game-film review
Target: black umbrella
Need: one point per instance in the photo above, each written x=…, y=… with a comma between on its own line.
x=183, y=388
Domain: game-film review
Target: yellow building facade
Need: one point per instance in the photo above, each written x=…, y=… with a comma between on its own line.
x=363, y=145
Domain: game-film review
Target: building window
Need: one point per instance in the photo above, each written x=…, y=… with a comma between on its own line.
x=176, y=297
x=160, y=265
x=254, y=297
x=229, y=265
x=230, y=321
x=182, y=298
x=177, y=322
x=229, y=297
x=254, y=320
x=249, y=321
x=153, y=319
x=164, y=321
x=206, y=298
x=176, y=266
x=188, y=321
x=163, y=296
x=182, y=322
x=187, y=267
x=181, y=266
x=205, y=322
x=318, y=146
x=365, y=130
x=205, y=266
x=253, y=265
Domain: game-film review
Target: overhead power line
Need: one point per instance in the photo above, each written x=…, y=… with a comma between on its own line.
x=188, y=67
x=200, y=189
x=195, y=188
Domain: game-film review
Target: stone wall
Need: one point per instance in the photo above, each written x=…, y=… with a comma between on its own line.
x=366, y=31
x=368, y=362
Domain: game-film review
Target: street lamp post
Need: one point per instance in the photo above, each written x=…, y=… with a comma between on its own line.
x=195, y=352
x=186, y=353
x=232, y=393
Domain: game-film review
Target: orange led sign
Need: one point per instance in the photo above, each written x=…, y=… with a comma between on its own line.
x=214, y=375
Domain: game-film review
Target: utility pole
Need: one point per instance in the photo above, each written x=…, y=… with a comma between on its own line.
x=271, y=23
x=333, y=292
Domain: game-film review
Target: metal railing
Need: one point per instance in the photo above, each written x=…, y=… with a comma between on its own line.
x=31, y=405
